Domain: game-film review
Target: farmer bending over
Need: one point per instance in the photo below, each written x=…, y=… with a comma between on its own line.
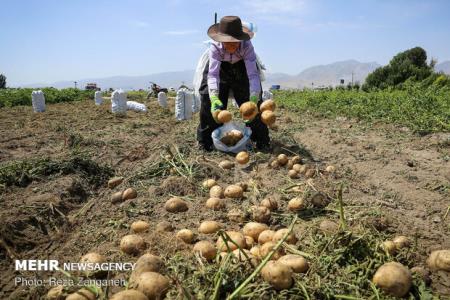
x=231, y=66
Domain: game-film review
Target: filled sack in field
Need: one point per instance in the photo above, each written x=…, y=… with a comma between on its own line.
x=162, y=99
x=119, y=102
x=183, y=104
x=38, y=101
x=136, y=106
x=242, y=145
x=98, y=98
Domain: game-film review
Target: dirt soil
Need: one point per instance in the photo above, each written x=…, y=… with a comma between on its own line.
x=395, y=181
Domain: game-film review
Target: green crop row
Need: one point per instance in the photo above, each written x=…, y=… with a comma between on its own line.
x=424, y=110
x=22, y=96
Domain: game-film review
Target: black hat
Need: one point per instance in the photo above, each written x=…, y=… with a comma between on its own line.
x=229, y=29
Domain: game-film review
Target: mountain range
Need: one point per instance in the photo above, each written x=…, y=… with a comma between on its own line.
x=316, y=76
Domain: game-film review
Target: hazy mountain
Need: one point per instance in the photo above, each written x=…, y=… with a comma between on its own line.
x=167, y=79
x=331, y=74
x=323, y=75
x=443, y=67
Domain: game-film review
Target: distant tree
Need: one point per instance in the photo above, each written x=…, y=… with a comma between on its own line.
x=2, y=81
x=410, y=64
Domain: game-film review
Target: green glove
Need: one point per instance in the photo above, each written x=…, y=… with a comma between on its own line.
x=254, y=99
x=216, y=104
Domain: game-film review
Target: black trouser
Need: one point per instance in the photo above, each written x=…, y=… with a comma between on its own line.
x=234, y=77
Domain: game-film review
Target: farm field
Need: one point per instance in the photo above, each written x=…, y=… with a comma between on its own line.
x=55, y=202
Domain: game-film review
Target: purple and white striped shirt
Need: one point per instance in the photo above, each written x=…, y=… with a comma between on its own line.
x=218, y=54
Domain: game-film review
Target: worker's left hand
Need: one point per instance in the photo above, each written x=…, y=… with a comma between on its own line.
x=254, y=99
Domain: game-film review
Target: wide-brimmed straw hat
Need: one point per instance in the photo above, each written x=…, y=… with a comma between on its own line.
x=229, y=29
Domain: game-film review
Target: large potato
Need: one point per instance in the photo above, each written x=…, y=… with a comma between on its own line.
x=268, y=118
x=139, y=226
x=282, y=159
x=128, y=194
x=209, y=183
x=237, y=215
x=234, y=191
x=206, y=249
x=132, y=244
x=291, y=239
x=215, y=203
x=267, y=105
x=175, y=205
x=146, y=263
x=248, y=110
x=95, y=258
x=154, y=285
x=113, y=182
x=296, y=204
x=224, y=116
x=238, y=239
x=268, y=247
x=254, y=229
x=208, y=227
x=186, y=236
x=242, y=157
x=393, y=278
x=129, y=295
x=401, y=242
x=260, y=214
x=266, y=236
x=277, y=274
x=226, y=164
x=270, y=202
x=439, y=260
x=216, y=192
x=297, y=263
x=328, y=227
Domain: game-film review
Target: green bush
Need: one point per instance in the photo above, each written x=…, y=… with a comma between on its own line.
x=22, y=96
x=422, y=109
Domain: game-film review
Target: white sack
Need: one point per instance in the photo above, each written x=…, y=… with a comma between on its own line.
x=136, y=106
x=162, y=99
x=98, y=98
x=38, y=101
x=183, y=105
x=119, y=102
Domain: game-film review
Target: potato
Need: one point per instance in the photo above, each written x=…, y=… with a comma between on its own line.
x=95, y=258
x=235, y=236
x=113, y=182
x=401, y=242
x=275, y=164
x=439, y=260
x=216, y=192
x=237, y=215
x=186, y=236
x=282, y=159
x=224, y=116
x=129, y=295
x=389, y=247
x=153, y=285
x=242, y=157
x=266, y=236
x=296, y=204
x=176, y=205
x=216, y=115
x=248, y=110
x=232, y=137
x=293, y=174
x=233, y=191
x=330, y=169
x=277, y=274
x=328, y=227
x=260, y=214
x=209, y=183
x=249, y=241
x=267, y=105
x=423, y=273
x=164, y=226
x=254, y=229
x=215, y=203
x=226, y=164
x=128, y=194
x=301, y=169
x=296, y=159
x=146, y=263
x=290, y=164
x=270, y=203
x=297, y=263
x=310, y=173
x=82, y=294
x=208, y=227
x=255, y=251
x=132, y=244
x=267, y=247
x=268, y=118
x=393, y=278
x=241, y=256
x=56, y=293
x=116, y=197
x=291, y=239
x=319, y=200
x=139, y=226
x=206, y=249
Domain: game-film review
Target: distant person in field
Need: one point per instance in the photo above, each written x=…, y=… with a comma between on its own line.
x=231, y=66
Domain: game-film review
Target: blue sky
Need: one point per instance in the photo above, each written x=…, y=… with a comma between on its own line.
x=48, y=40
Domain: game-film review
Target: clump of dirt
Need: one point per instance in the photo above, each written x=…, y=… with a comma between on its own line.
x=176, y=185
